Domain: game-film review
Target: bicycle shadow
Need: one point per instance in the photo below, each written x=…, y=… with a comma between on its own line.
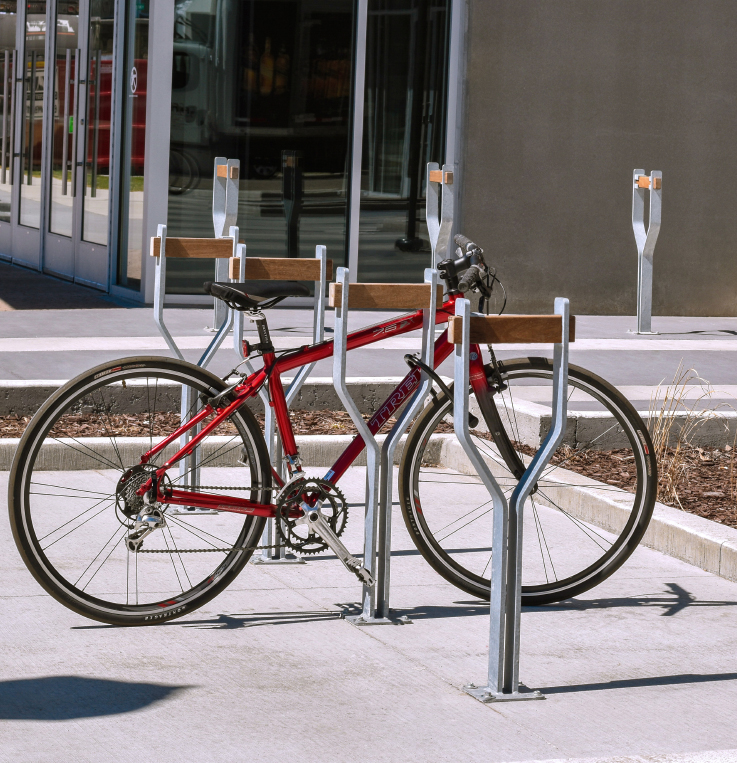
x=632, y=683
x=681, y=599
x=256, y=619
x=64, y=698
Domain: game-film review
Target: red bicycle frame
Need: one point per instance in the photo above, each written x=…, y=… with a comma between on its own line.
x=271, y=372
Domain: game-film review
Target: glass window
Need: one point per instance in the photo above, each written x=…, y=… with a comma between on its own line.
x=267, y=82
x=404, y=129
x=8, y=17
x=33, y=64
x=97, y=138
x=66, y=103
x=130, y=256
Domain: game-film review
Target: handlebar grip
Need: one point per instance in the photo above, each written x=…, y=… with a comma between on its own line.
x=464, y=242
x=469, y=278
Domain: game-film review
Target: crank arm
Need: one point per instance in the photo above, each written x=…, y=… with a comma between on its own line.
x=316, y=522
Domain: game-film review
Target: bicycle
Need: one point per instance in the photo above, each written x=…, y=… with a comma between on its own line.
x=93, y=493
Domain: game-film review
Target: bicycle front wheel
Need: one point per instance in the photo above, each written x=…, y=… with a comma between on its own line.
x=587, y=514
x=72, y=511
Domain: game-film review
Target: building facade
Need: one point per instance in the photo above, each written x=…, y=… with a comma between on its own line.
x=114, y=111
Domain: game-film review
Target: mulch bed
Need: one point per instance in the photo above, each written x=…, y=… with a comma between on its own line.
x=707, y=490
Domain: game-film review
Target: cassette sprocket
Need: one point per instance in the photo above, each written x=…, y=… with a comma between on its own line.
x=314, y=492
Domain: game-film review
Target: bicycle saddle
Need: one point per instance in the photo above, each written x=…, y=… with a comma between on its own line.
x=250, y=294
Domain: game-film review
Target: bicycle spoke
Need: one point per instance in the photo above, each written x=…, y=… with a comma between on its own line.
x=541, y=534
x=99, y=553
x=194, y=530
x=100, y=459
x=581, y=526
x=103, y=509
x=471, y=522
x=64, y=487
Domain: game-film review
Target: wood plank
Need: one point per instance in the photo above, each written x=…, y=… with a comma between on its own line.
x=436, y=176
x=511, y=329
x=222, y=170
x=202, y=248
x=280, y=269
x=643, y=181
x=386, y=296
x=657, y=183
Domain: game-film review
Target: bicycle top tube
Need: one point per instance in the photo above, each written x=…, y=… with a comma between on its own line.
x=402, y=324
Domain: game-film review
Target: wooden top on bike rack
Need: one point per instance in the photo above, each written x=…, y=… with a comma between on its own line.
x=209, y=248
x=511, y=329
x=280, y=269
x=386, y=296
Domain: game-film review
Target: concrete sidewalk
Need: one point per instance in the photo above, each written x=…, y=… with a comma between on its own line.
x=644, y=665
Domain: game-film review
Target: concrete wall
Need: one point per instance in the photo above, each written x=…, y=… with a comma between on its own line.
x=564, y=98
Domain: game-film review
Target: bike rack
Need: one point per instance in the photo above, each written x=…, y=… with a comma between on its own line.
x=506, y=559
x=645, y=240
x=225, y=186
x=222, y=248
x=241, y=268
x=379, y=461
x=439, y=188
x=218, y=249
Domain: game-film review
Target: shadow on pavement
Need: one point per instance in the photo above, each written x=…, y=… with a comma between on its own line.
x=22, y=289
x=63, y=698
x=671, y=605
x=630, y=683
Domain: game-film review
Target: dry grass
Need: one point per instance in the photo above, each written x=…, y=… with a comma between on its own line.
x=673, y=421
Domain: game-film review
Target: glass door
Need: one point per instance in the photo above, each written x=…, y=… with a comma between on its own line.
x=8, y=67
x=78, y=148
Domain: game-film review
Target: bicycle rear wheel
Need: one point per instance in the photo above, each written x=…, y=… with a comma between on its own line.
x=72, y=513
x=591, y=507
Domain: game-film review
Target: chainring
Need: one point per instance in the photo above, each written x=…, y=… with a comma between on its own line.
x=312, y=491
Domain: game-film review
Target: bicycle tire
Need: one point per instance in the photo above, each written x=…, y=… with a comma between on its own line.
x=100, y=398
x=455, y=565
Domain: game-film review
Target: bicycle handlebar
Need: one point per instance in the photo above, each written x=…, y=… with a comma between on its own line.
x=465, y=243
x=469, y=279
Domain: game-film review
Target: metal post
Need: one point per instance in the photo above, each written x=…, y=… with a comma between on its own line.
x=373, y=453
x=225, y=185
x=292, y=193
x=645, y=240
x=439, y=209
x=391, y=442
x=506, y=560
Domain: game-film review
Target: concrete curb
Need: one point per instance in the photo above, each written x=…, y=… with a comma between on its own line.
x=690, y=538
x=24, y=398
x=705, y=544
x=531, y=419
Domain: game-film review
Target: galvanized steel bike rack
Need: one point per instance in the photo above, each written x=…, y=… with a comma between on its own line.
x=439, y=209
x=278, y=554
x=224, y=216
x=225, y=186
x=188, y=466
x=645, y=240
x=373, y=451
x=389, y=447
x=379, y=460
x=506, y=558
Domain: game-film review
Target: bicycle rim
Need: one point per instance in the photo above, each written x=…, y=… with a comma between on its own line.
x=71, y=521
x=583, y=521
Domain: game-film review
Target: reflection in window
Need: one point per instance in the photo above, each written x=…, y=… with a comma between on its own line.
x=32, y=65
x=270, y=84
x=134, y=142
x=8, y=16
x=404, y=129
x=97, y=138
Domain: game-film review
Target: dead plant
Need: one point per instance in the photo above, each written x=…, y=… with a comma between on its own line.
x=673, y=420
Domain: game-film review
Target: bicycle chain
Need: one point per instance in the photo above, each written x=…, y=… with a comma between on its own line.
x=210, y=550
x=206, y=550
